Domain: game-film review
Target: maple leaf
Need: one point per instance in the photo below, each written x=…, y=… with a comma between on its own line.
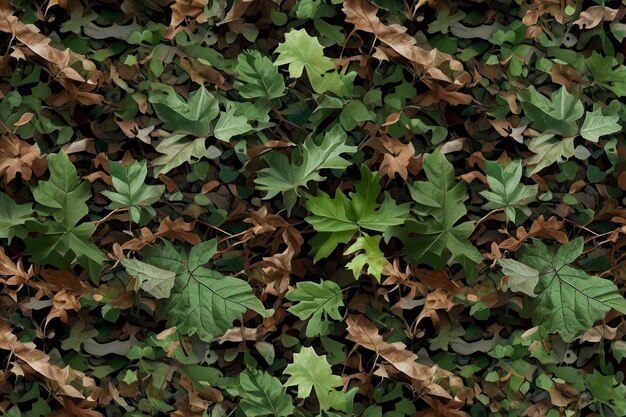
x=284, y=177
x=202, y=301
x=131, y=191
x=507, y=192
x=372, y=256
x=310, y=371
x=339, y=218
x=301, y=52
x=315, y=303
x=63, y=198
x=436, y=237
x=17, y=156
x=568, y=300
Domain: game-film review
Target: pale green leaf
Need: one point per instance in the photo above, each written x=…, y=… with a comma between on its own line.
x=229, y=125
x=155, y=281
x=522, y=278
x=310, y=371
x=596, y=124
x=506, y=189
x=371, y=256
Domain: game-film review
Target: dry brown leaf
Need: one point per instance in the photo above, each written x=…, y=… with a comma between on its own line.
x=546, y=229
x=18, y=156
x=365, y=333
x=594, y=15
x=363, y=16
x=58, y=379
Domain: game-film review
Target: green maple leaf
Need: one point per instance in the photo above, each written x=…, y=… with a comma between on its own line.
x=548, y=149
x=436, y=237
x=131, y=192
x=506, y=190
x=258, y=77
x=309, y=371
x=558, y=113
x=62, y=241
x=372, y=256
x=263, y=394
x=202, y=301
x=315, y=303
x=607, y=391
x=282, y=176
x=13, y=216
x=597, y=124
x=193, y=116
x=339, y=218
x=607, y=73
x=568, y=301
x=303, y=52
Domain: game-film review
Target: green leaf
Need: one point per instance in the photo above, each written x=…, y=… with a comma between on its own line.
x=522, y=278
x=568, y=300
x=131, y=191
x=230, y=125
x=155, y=281
x=507, y=192
x=193, y=116
x=607, y=73
x=372, y=256
x=176, y=151
x=548, y=149
x=315, y=303
x=62, y=241
x=282, y=176
x=436, y=238
x=12, y=217
x=259, y=77
x=309, y=371
x=202, y=301
x=263, y=394
x=64, y=196
x=558, y=113
x=301, y=51
x=608, y=391
x=343, y=215
x=596, y=124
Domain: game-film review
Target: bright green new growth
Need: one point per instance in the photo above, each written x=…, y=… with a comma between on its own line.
x=60, y=239
x=435, y=237
x=371, y=256
x=131, y=192
x=567, y=300
x=282, y=176
x=507, y=191
x=301, y=52
x=310, y=371
x=338, y=219
x=316, y=303
x=202, y=301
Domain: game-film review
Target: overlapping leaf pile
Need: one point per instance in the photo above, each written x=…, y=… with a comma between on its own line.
x=312, y=207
